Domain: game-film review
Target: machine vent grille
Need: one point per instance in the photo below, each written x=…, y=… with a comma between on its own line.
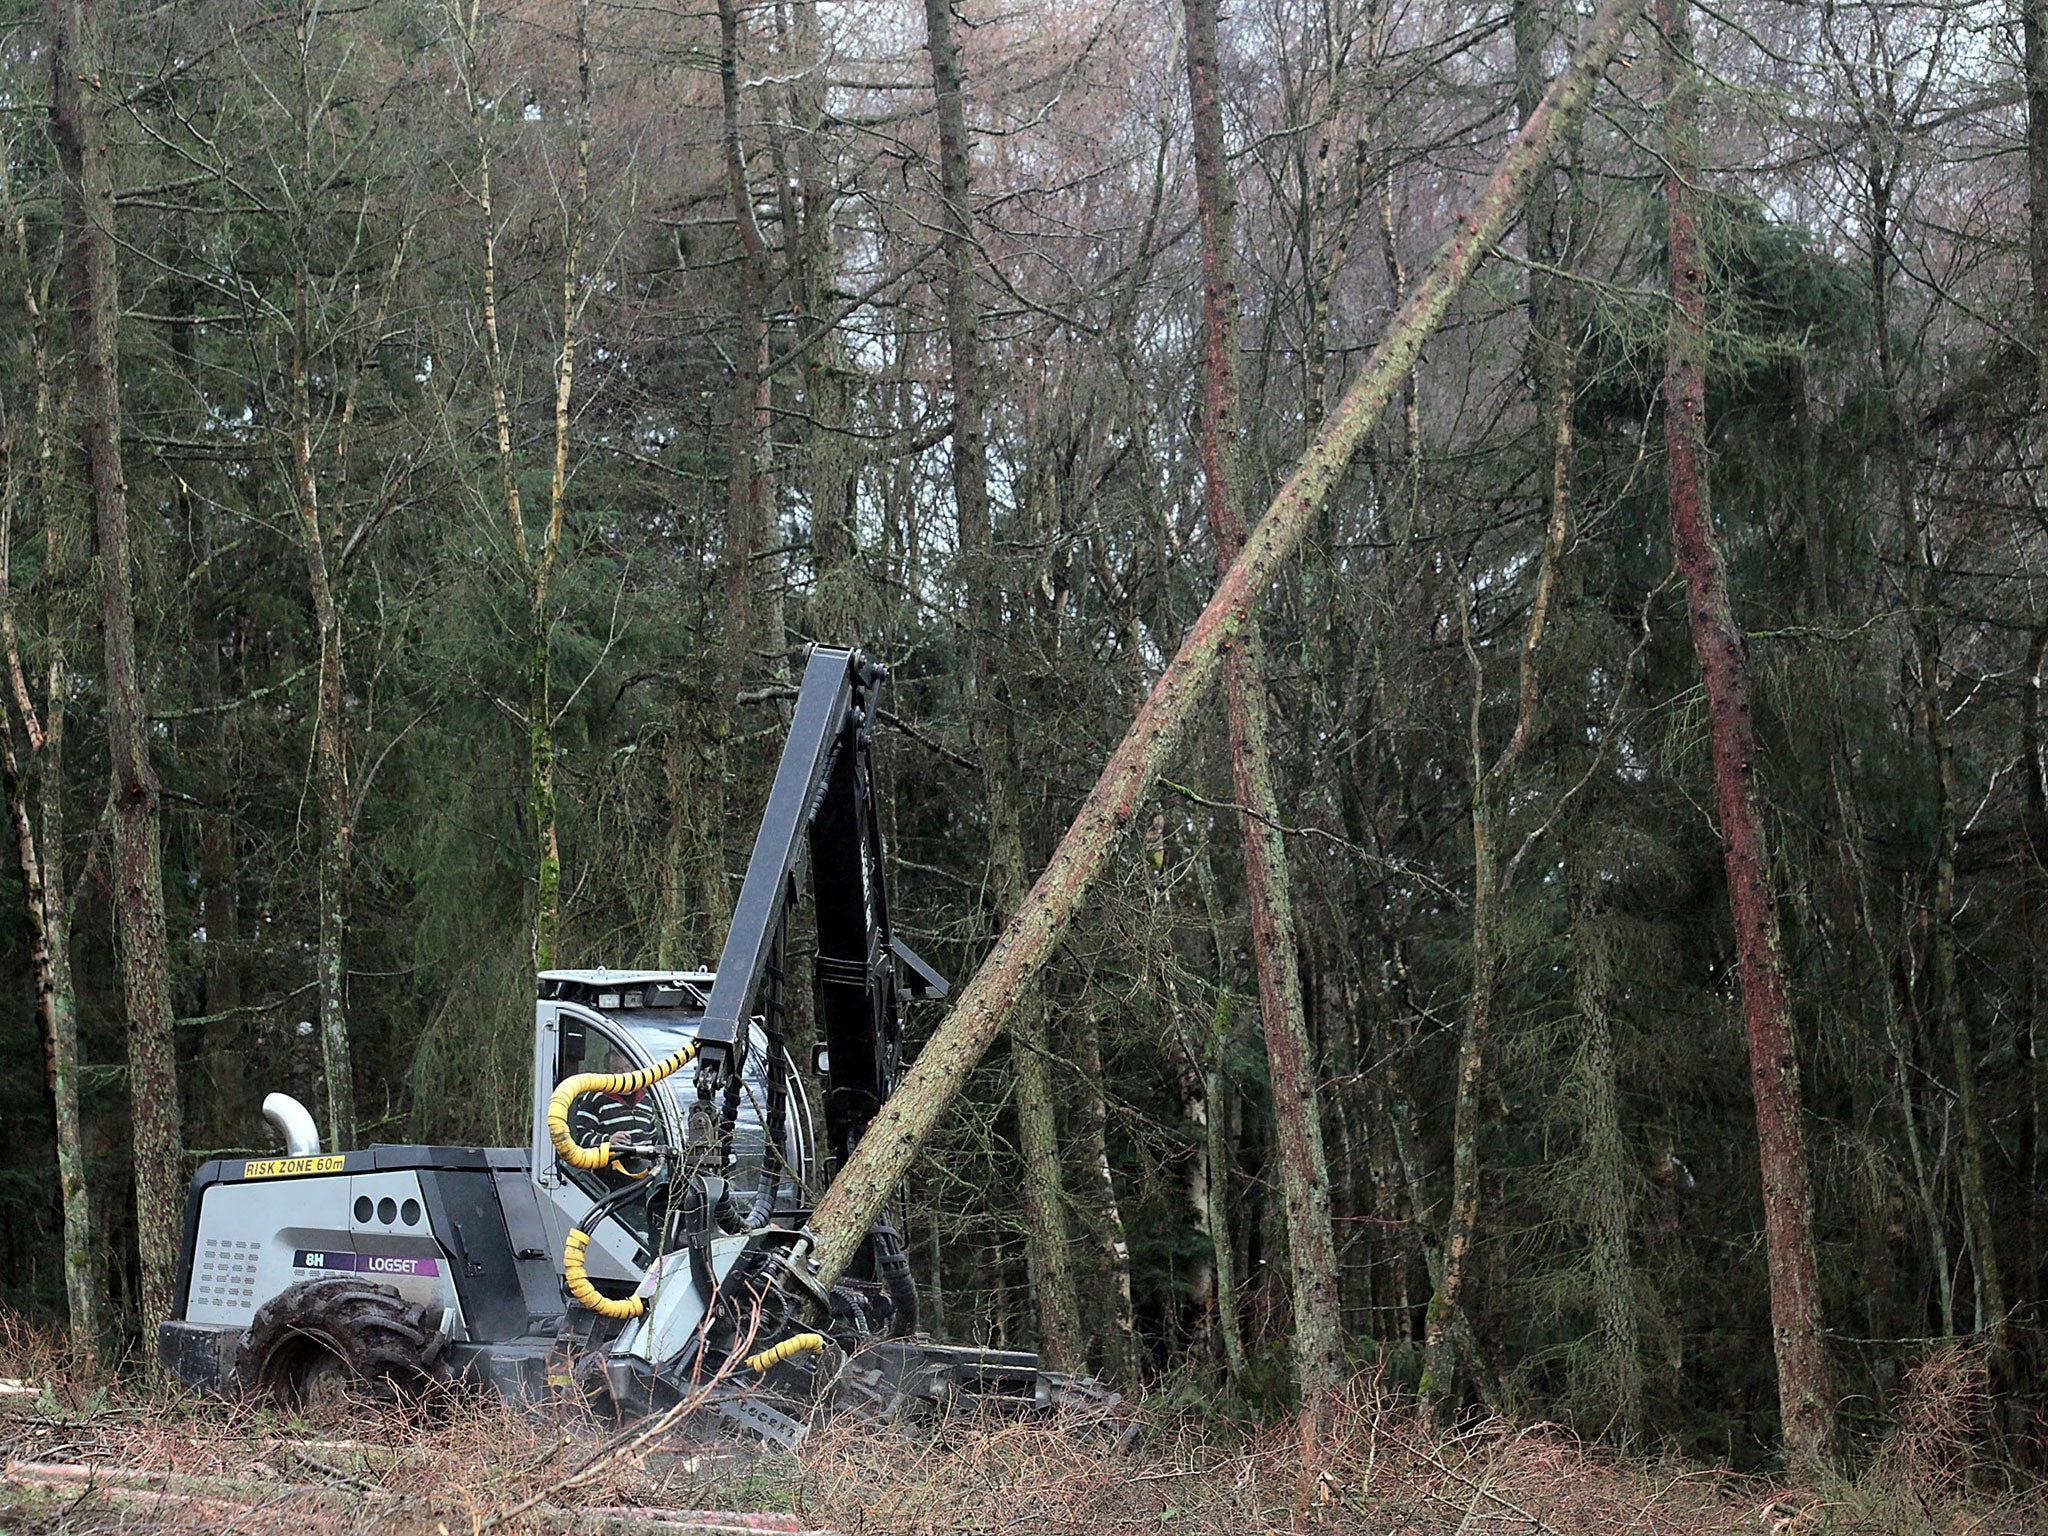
x=227, y=1272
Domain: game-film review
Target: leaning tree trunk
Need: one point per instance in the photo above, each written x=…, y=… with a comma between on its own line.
x=78, y=126
x=1052, y=1276
x=1290, y=1054
x=985, y=1004
x=1805, y=1398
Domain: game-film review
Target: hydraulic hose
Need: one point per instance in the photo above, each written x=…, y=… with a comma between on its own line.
x=577, y=1279
x=570, y=1089
x=795, y=1344
x=892, y=1264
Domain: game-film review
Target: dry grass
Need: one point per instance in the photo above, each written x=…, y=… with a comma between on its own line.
x=84, y=1458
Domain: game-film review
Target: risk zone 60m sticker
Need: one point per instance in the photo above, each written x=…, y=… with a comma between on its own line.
x=279, y=1167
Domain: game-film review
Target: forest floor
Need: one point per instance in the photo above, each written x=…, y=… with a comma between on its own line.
x=109, y=1460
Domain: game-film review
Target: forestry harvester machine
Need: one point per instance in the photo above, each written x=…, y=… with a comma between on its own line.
x=648, y=1246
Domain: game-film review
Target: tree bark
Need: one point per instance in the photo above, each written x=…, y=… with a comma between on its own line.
x=1290, y=1055
x=1051, y=1264
x=1607, y=1200
x=1203, y=1338
x=1221, y=1116
x=1047, y=1255
x=78, y=126
x=1116, y=1324
x=1805, y=1396
x=863, y=1185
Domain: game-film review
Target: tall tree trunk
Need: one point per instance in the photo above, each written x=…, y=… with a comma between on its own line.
x=1045, y=1211
x=536, y=567
x=56, y=1012
x=746, y=479
x=1290, y=1055
x=38, y=811
x=1048, y=1256
x=1223, y=1114
x=1979, y=1232
x=1548, y=362
x=862, y=1187
x=540, y=569
x=330, y=749
x=2034, y=38
x=1204, y=1340
x=2033, y=1159
x=78, y=125
x=840, y=608
x=220, y=1093
x=1116, y=1323
x=1805, y=1396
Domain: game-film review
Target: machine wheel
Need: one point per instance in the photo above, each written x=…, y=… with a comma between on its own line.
x=320, y=1345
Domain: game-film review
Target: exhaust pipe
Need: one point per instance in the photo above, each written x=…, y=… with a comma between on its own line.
x=294, y=1122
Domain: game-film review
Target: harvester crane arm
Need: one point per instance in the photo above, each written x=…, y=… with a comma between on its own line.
x=822, y=803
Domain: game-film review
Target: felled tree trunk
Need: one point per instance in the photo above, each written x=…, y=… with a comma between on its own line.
x=864, y=1184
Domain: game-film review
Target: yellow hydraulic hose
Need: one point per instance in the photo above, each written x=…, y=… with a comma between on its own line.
x=775, y=1354
x=570, y=1089
x=578, y=1281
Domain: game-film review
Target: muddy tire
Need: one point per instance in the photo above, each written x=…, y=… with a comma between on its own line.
x=324, y=1345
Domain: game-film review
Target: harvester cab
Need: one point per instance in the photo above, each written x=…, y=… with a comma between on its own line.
x=647, y=1246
